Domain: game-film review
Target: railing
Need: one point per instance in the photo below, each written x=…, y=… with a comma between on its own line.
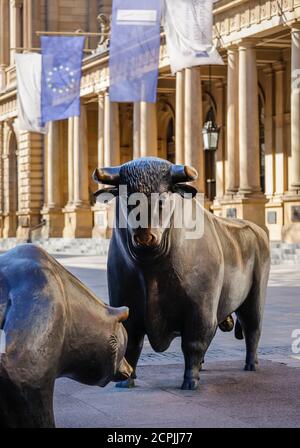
x=32, y=229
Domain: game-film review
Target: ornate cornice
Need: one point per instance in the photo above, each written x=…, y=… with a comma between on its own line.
x=235, y=20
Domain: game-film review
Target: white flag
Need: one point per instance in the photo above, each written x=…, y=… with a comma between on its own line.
x=29, y=72
x=188, y=25
x=2, y=343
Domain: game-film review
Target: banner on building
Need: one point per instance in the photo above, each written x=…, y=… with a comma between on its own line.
x=61, y=76
x=28, y=68
x=188, y=25
x=134, y=50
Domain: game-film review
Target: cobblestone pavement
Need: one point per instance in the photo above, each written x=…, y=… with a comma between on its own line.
x=158, y=394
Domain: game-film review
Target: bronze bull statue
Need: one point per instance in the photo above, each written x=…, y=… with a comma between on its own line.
x=54, y=327
x=175, y=286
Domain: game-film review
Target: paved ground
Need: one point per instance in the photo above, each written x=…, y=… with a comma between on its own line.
x=228, y=396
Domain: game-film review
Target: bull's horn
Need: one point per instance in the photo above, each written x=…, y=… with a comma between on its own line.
x=183, y=173
x=108, y=176
x=120, y=313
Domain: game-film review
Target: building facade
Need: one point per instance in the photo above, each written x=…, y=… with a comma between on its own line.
x=46, y=181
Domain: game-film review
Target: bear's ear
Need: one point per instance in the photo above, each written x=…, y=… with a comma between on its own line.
x=186, y=191
x=105, y=195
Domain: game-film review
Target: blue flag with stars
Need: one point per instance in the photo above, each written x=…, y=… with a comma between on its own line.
x=61, y=76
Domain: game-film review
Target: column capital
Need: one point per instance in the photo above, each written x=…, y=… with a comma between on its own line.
x=100, y=98
x=279, y=66
x=248, y=43
x=232, y=48
x=295, y=27
x=16, y=3
x=219, y=84
x=268, y=70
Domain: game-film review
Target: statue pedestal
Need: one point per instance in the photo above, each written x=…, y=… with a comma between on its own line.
x=291, y=228
x=54, y=223
x=78, y=221
x=249, y=207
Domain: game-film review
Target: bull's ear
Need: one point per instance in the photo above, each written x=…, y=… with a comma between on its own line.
x=106, y=194
x=184, y=190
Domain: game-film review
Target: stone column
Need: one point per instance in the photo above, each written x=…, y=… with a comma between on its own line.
x=249, y=203
x=70, y=161
x=294, y=175
x=248, y=121
x=81, y=182
x=269, y=144
x=78, y=215
x=148, y=129
x=52, y=211
x=280, y=157
x=179, y=139
x=193, y=119
x=4, y=41
x=31, y=183
x=291, y=229
x=136, y=130
x=232, y=168
x=111, y=132
x=220, y=156
x=1, y=176
x=53, y=166
x=112, y=155
x=101, y=144
x=100, y=210
x=15, y=28
x=28, y=23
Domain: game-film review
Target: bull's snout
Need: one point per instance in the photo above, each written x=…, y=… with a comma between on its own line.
x=147, y=239
x=124, y=371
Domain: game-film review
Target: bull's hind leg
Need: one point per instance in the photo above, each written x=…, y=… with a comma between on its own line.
x=250, y=316
x=133, y=352
x=26, y=407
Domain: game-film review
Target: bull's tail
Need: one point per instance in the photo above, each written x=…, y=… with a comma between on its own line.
x=238, y=332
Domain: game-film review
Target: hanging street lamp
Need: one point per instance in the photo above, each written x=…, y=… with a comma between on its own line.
x=211, y=133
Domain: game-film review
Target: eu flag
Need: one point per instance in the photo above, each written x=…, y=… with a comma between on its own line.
x=61, y=76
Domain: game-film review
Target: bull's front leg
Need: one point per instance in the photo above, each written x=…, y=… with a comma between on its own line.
x=196, y=338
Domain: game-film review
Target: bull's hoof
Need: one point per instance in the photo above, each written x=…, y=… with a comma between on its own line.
x=227, y=325
x=190, y=384
x=250, y=368
x=127, y=384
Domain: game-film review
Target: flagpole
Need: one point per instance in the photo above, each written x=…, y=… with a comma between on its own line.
x=86, y=50
x=70, y=33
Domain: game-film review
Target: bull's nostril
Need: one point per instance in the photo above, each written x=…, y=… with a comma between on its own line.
x=148, y=239
x=153, y=239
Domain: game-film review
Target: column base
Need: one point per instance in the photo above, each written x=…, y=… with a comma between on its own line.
x=274, y=217
x=29, y=225
x=9, y=225
x=217, y=207
x=291, y=228
x=78, y=222
x=250, y=207
x=54, y=223
x=100, y=229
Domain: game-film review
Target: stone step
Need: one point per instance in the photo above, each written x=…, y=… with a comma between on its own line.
x=281, y=253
